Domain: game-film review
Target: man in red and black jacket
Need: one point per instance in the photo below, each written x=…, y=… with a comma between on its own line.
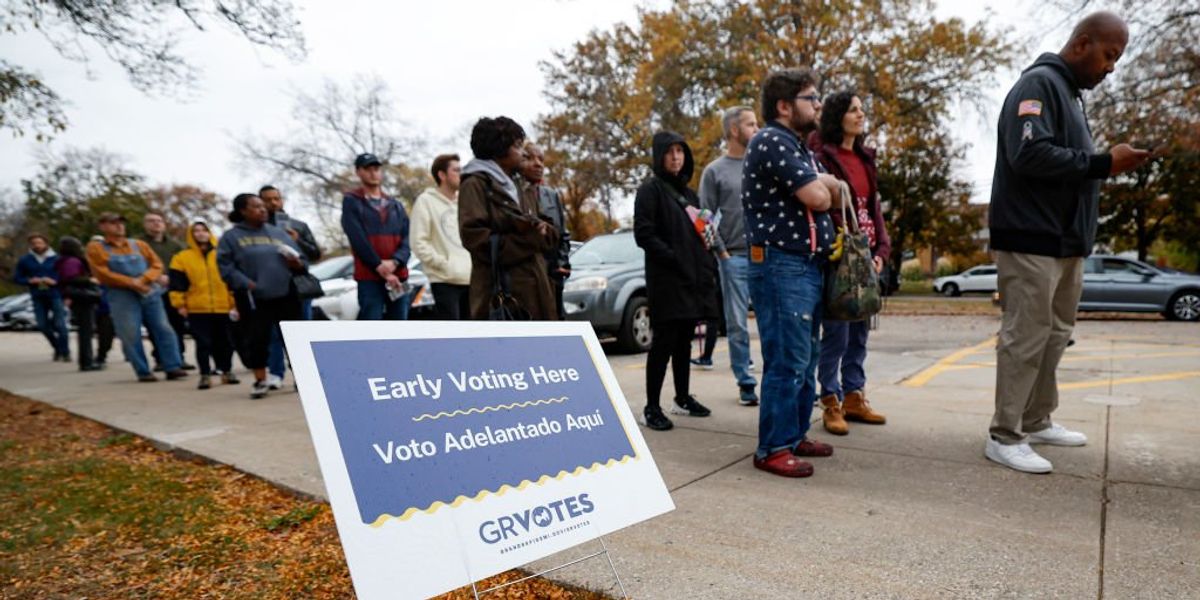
x=377, y=227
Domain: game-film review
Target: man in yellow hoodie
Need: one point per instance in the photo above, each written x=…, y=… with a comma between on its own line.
x=201, y=297
x=433, y=233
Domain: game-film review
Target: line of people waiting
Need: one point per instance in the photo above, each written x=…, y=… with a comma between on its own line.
x=761, y=228
x=231, y=293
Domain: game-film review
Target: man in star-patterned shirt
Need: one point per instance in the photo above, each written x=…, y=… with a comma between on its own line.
x=785, y=197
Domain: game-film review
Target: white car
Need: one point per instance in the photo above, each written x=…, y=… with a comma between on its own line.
x=340, y=302
x=976, y=279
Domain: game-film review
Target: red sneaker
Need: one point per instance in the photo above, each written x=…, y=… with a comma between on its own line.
x=784, y=464
x=809, y=447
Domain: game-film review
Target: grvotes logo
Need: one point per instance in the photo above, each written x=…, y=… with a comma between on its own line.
x=514, y=525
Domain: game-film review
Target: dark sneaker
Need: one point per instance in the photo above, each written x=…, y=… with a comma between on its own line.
x=258, y=390
x=656, y=420
x=158, y=368
x=205, y=382
x=186, y=367
x=809, y=447
x=784, y=464
x=229, y=379
x=176, y=374
x=689, y=407
x=746, y=396
x=147, y=378
x=703, y=363
x=91, y=367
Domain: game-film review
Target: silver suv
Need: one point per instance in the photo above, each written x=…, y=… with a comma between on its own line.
x=607, y=288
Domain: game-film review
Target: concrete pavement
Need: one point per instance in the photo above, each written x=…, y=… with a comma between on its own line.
x=906, y=510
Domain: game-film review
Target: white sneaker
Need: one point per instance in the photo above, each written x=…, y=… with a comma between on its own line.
x=274, y=382
x=1058, y=435
x=1019, y=456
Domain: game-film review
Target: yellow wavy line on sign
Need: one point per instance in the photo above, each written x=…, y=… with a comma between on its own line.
x=459, y=413
x=432, y=508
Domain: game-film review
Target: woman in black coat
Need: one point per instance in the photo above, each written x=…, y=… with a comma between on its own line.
x=681, y=274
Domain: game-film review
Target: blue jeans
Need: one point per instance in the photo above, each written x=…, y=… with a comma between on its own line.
x=786, y=289
x=843, y=342
x=373, y=303
x=735, y=289
x=275, y=362
x=130, y=311
x=48, y=307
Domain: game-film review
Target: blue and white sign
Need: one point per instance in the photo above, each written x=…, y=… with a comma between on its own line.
x=454, y=451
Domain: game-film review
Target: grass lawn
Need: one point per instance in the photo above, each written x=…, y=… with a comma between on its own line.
x=88, y=512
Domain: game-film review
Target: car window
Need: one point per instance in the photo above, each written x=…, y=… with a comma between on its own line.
x=1114, y=266
x=1092, y=265
x=984, y=271
x=332, y=268
x=607, y=250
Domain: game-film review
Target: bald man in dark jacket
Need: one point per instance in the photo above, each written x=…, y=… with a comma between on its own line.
x=1043, y=219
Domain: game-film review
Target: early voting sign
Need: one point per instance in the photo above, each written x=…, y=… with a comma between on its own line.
x=454, y=451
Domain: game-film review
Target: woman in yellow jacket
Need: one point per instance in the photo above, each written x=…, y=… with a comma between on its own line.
x=201, y=297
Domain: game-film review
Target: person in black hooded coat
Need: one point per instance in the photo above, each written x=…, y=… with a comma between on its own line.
x=681, y=274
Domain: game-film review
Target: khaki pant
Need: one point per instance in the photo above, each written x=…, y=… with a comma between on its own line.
x=1040, y=295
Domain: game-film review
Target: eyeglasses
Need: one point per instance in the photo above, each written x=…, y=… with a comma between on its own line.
x=813, y=98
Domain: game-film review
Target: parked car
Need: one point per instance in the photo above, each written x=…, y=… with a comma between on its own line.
x=1115, y=284
x=340, y=302
x=1112, y=283
x=16, y=313
x=975, y=279
x=607, y=288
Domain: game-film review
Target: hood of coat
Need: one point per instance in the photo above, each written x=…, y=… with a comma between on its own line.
x=662, y=141
x=191, y=240
x=496, y=174
x=45, y=256
x=1056, y=62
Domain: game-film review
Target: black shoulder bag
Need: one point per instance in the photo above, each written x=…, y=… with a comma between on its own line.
x=503, y=306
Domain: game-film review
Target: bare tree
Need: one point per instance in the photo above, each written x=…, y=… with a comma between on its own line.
x=142, y=36
x=329, y=128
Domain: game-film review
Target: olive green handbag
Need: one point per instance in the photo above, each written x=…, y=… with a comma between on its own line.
x=852, y=290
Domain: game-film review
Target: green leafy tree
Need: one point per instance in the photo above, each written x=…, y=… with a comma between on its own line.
x=71, y=189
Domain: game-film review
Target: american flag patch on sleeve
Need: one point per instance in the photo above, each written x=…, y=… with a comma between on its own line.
x=1029, y=107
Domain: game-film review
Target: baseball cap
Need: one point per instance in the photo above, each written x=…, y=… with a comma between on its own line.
x=366, y=159
x=110, y=217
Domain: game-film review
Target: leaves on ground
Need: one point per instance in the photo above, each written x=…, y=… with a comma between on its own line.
x=88, y=512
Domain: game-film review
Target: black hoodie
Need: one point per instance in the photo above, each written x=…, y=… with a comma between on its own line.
x=1047, y=179
x=681, y=275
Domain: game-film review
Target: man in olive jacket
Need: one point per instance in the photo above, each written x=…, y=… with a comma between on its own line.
x=1043, y=219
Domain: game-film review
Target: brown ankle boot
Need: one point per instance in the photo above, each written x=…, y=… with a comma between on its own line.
x=858, y=409
x=833, y=419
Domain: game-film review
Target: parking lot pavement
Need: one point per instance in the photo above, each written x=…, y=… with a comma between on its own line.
x=910, y=509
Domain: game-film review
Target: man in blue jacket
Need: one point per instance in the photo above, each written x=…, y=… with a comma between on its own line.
x=377, y=228
x=1043, y=219
x=36, y=270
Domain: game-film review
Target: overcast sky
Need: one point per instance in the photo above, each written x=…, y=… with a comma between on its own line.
x=447, y=63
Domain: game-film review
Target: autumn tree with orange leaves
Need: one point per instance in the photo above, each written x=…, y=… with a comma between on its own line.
x=677, y=68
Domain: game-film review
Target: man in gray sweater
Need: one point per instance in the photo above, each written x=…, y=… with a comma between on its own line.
x=721, y=193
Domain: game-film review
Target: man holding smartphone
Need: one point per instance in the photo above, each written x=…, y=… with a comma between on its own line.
x=1043, y=218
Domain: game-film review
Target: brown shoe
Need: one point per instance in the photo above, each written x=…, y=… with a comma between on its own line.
x=834, y=419
x=858, y=409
